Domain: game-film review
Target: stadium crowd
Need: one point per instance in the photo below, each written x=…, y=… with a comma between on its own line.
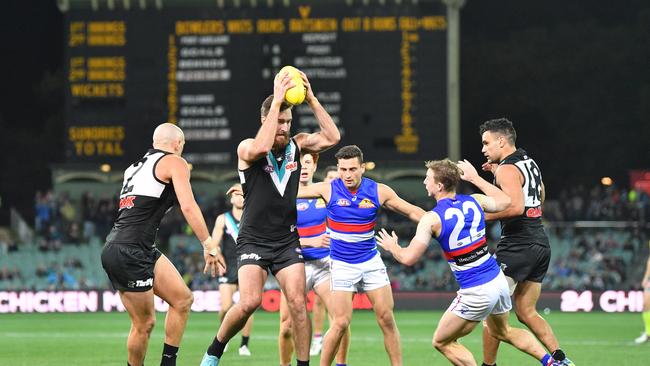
x=595, y=258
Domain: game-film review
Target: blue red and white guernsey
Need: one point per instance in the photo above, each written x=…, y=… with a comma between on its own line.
x=351, y=220
x=463, y=242
x=312, y=216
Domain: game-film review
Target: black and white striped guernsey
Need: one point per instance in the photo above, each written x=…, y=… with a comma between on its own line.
x=144, y=200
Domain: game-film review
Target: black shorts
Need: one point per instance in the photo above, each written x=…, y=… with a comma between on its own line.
x=270, y=256
x=524, y=262
x=230, y=277
x=129, y=267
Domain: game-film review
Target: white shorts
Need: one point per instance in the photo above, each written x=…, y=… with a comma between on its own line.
x=317, y=271
x=368, y=275
x=476, y=303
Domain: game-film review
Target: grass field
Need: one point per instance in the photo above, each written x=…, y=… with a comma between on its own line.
x=99, y=339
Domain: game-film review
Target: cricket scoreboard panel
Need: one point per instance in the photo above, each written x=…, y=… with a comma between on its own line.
x=380, y=71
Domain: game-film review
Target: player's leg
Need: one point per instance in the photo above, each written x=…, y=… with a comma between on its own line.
x=140, y=307
x=318, y=318
x=645, y=336
x=519, y=338
x=226, y=292
x=170, y=287
x=490, y=343
x=251, y=285
x=285, y=338
x=245, y=337
x=445, y=339
x=525, y=297
x=340, y=310
x=323, y=292
x=292, y=283
x=382, y=304
x=490, y=347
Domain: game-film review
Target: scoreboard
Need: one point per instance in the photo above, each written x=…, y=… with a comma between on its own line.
x=379, y=70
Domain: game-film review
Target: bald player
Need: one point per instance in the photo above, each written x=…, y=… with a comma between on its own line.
x=135, y=267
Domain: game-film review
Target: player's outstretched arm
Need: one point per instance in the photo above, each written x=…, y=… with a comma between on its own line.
x=492, y=204
x=317, y=190
x=389, y=199
x=175, y=168
x=328, y=135
x=508, y=178
x=418, y=245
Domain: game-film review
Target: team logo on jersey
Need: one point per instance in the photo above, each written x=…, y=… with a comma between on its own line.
x=291, y=166
x=127, y=202
x=343, y=202
x=320, y=203
x=366, y=203
x=268, y=168
x=302, y=206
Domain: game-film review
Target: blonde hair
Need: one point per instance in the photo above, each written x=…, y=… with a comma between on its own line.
x=446, y=172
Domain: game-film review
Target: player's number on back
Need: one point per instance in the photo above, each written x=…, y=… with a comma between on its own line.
x=127, y=186
x=454, y=241
x=534, y=179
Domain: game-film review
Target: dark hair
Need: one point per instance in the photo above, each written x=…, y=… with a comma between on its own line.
x=314, y=156
x=330, y=168
x=266, y=106
x=502, y=126
x=349, y=152
x=446, y=172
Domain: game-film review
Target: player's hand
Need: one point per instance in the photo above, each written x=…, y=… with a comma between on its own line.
x=235, y=189
x=310, y=93
x=323, y=241
x=214, y=261
x=281, y=84
x=645, y=284
x=386, y=241
x=489, y=167
x=469, y=172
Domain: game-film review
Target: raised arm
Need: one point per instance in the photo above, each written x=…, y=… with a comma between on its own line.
x=251, y=150
x=389, y=199
x=418, y=245
x=317, y=190
x=508, y=178
x=328, y=135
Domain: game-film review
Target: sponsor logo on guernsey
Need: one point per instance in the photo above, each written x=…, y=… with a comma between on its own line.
x=252, y=256
x=268, y=168
x=343, y=202
x=127, y=202
x=302, y=206
x=366, y=203
x=140, y=283
x=534, y=212
x=320, y=203
x=291, y=166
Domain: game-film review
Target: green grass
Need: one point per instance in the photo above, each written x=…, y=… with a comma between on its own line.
x=99, y=339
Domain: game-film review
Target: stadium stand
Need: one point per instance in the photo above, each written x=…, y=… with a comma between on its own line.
x=597, y=235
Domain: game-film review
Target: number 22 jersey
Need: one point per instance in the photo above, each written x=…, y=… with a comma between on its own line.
x=462, y=238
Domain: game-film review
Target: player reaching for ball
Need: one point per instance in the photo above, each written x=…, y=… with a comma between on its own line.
x=269, y=170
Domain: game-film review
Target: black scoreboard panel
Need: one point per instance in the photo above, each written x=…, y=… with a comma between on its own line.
x=379, y=70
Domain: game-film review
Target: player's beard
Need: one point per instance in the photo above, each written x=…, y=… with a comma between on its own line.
x=281, y=144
